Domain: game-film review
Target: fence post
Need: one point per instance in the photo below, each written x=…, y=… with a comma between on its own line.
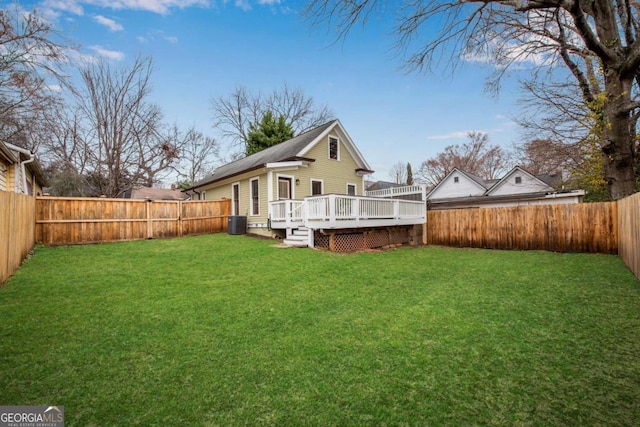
x=149, y=224
x=179, y=218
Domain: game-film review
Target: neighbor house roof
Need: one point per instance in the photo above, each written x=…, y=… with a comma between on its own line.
x=381, y=185
x=481, y=183
x=7, y=153
x=517, y=170
x=292, y=149
x=15, y=154
x=456, y=202
x=157, y=194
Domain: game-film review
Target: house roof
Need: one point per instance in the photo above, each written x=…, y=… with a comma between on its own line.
x=448, y=203
x=7, y=153
x=292, y=149
x=492, y=184
x=11, y=153
x=157, y=194
x=474, y=178
x=516, y=169
x=381, y=185
x=554, y=180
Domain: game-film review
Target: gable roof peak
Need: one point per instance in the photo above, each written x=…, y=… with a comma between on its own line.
x=286, y=150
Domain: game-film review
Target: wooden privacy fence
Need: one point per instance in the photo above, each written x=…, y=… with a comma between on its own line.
x=17, y=224
x=629, y=232
x=70, y=220
x=585, y=227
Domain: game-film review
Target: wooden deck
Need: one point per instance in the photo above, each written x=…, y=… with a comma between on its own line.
x=337, y=211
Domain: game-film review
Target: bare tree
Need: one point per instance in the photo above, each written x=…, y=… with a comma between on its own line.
x=31, y=67
x=571, y=34
x=123, y=130
x=398, y=173
x=198, y=156
x=476, y=156
x=546, y=156
x=235, y=113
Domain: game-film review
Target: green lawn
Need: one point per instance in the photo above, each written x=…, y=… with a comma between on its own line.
x=229, y=330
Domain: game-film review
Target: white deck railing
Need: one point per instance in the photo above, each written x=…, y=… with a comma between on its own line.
x=399, y=191
x=341, y=211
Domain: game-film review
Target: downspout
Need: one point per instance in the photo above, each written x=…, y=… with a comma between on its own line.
x=23, y=169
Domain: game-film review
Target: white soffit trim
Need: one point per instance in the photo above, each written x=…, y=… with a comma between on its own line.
x=293, y=165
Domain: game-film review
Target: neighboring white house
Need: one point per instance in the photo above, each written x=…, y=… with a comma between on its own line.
x=461, y=189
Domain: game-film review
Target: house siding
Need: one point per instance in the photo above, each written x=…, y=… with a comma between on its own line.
x=463, y=188
x=222, y=190
x=335, y=174
x=11, y=177
x=528, y=185
x=4, y=172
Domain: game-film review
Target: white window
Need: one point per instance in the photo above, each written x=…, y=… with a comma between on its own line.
x=235, y=199
x=334, y=148
x=203, y=195
x=284, y=187
x=316, y=187
x=255, y=196
x=351, y=189
x=518, y=180
x=456, y=179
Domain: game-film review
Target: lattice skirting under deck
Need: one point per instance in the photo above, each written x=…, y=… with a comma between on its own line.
x=354, y=240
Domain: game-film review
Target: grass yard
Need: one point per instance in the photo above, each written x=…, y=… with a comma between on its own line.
x=228, y=330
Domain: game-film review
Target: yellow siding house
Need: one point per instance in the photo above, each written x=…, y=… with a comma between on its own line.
x=323, y=160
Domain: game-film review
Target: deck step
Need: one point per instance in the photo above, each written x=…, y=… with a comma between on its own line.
x=298, y=237
x=296, y=243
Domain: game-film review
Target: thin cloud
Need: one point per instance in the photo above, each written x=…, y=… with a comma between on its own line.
x=111, y=54
x=109, y=23
x=154, y=35
x=452, y=135
x=71, y=6
x=162, y=7
x=243, y=4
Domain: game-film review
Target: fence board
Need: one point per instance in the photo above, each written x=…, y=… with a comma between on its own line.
x=629, y=228
x=585, y=227
x=17, y=231
x=72, y=220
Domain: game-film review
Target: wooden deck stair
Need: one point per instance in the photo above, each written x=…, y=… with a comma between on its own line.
x=297, y=237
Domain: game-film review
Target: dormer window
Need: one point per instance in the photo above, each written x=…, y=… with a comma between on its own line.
x=456, y=179
x=333, y=148
x=518, y=180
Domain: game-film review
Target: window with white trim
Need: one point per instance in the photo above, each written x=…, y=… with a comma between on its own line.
x=334, y=148
x=235, y=198
x=203, y=195
x=255, y=196
x=316, y=187
x=456, y=179
x=518, y=180
x=351, y=189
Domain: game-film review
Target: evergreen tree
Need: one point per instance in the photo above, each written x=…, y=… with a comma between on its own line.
x=409, y=174
x=270, y=131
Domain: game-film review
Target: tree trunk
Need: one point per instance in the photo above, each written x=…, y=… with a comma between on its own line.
x=617, y=137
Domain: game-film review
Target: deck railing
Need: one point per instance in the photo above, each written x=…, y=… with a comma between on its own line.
x=286, y=213
x=342, y=211
x=406, y=190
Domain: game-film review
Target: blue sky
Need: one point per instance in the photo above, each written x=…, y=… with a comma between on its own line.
x=205, y=48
